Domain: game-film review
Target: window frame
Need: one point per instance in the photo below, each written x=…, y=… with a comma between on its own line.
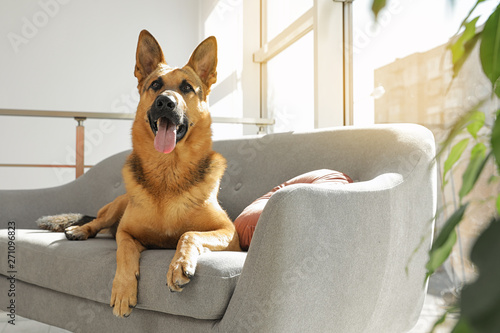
x=331, y=23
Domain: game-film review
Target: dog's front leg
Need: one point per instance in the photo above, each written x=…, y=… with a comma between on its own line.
x=190, y=246
x=124, y=292
x=107, y=217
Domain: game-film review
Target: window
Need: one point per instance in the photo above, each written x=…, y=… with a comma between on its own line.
x=291, y=67
x=316, y=34
x=281, y=14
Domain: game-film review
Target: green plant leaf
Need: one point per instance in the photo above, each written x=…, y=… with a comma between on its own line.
x=442, y=246
x=458, y=127
x=462, y=326
x=458, y=48
x=442, y=319
x=476, y=123
x=377, y=6
x=477, y=162
x=439, y=321
x=449, y=226
x=480, y=300
x=489, y=50
x=439, y=255
x=498, y=205
x=495, y=139
x=455, y=153
x=468, y=15
x=468, y=46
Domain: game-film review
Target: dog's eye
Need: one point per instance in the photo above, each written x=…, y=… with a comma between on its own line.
x=185, y=87
x=156, y=85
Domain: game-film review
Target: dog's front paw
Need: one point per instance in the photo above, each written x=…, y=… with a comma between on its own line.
x=76, y=233
x=180, y=272
x=123, y=296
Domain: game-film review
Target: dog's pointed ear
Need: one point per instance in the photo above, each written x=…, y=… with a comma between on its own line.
x=148, y=56
x=204, y=61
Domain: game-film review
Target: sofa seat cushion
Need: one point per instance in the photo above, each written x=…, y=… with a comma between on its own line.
x=86, y=269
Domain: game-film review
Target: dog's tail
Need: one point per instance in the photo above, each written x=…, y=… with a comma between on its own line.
x=62, y=221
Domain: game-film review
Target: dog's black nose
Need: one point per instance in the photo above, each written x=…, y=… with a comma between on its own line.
x=165, y=103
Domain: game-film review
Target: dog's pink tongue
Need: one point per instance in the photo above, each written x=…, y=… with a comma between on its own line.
x=165, y=137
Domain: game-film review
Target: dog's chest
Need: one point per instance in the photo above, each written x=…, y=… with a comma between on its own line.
x=158, y=228
x=153, y=239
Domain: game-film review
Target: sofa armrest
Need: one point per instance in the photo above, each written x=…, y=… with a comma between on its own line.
x=26, y=206
x=85, y=195
x=338, y=258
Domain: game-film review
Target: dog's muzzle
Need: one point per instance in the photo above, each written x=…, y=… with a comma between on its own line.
x=168, y=123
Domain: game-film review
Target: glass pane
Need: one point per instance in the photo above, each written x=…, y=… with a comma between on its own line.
x=282, y=13
x=401, y=53
x=403, y=73
x=290, y=91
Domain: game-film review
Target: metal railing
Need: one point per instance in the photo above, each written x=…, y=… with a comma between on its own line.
x=80, y=117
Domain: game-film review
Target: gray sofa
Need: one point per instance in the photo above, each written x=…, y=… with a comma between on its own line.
x=321, y=260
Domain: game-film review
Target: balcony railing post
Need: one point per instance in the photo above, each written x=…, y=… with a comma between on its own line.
x=262, y=129
x=80, y=146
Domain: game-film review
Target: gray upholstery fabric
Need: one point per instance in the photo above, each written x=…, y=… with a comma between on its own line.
x=256, y=165
x=321, y=259
x=97, y=187
x=86, y=269
x=81, y=315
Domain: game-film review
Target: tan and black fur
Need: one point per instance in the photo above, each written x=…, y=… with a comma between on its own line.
x=171, y=198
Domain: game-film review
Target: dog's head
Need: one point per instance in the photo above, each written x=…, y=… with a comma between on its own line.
x=172, y=100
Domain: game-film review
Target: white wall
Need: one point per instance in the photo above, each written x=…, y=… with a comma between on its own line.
x=76, y=55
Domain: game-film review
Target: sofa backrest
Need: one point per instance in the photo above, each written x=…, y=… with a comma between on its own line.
x=257, y=164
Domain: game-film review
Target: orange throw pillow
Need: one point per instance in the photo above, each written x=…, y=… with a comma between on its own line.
x=246, y=222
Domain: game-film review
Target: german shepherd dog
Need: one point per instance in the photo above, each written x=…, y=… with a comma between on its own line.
x=172, y=175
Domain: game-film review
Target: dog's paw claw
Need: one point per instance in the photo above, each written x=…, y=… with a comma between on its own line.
x=189, y=275
x=181, y=286
x=178, y=276
x=123, y=297
x=75, y=233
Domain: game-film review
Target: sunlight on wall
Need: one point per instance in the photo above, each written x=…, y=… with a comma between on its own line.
x=291, y=87
x=224, y=19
